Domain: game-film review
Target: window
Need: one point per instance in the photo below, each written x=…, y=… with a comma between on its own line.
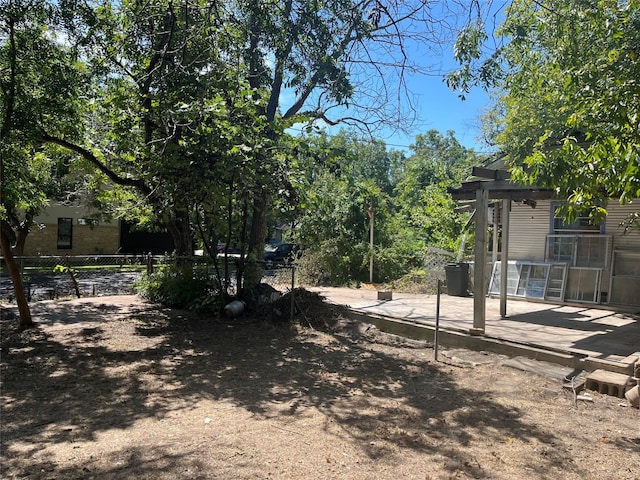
x=65, y=226
x=580, y=225
x=531, y=279
x=578, y=243
x=625, y=278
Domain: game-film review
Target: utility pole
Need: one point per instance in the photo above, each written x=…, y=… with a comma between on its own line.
x=370, y=211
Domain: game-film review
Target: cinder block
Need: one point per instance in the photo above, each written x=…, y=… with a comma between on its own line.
x=609, y=383
x=385, y=295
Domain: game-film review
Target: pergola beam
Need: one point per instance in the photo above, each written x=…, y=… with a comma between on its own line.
x=490, y=173
x=498, y=187
x=515, y=195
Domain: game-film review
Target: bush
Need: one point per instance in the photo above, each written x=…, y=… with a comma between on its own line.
x=389, y=264
x=335, y=266
x=181, y=286
x=310, y=269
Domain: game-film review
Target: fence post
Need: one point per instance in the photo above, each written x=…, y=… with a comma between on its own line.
x=293, y=295
x=435, y=334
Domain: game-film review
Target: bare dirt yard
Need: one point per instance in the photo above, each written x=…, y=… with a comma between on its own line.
x=118, y=388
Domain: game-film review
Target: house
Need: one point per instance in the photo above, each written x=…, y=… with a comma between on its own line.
x=546, y=259
x=71, y=230
x=551, y=260
x=76, y=230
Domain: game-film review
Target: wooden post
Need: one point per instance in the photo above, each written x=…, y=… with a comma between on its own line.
x=504, y=257
x=435, y=334
x=371, y=241
x=496, y=228
x=480, y=262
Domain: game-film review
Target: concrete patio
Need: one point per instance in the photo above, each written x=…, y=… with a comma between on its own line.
x=573, y=331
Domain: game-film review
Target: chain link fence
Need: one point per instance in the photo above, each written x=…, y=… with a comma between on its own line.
x=54, y=277
x=51, y=277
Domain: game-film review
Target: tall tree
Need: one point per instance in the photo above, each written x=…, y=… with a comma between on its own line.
x=424, y=207
x=345, y=177
x=410, y=202
x=340, y=62
x=38, y=80
x=161, y=106
x=568, y=74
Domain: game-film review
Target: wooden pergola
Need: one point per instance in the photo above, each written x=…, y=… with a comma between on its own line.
x=494, y=185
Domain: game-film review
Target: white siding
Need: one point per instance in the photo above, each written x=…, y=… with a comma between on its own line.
x=528, y=228
x=617, y=214
x=629, y=242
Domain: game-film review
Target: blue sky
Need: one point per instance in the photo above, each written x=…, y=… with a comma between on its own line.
x=440, y=108
x=437, y=106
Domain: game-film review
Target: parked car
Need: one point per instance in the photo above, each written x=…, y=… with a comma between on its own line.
x=222, y=247
x=285, y=252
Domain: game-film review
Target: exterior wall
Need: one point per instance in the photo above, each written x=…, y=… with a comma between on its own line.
x=622, y=283
x=86, y=240
x=617, y=214
x=528, y=228
x=103, y=238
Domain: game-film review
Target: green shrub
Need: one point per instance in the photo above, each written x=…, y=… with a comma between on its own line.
x=389, y=264
x=181, y=286
x=350, y=266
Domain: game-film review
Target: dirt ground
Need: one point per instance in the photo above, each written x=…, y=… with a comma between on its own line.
x=118, y=388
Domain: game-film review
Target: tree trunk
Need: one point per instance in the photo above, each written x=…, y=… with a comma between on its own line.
x=254, y=268
x=18, y=287
x=180, y=230
x=74, y=280
x=243, y=242
x=19, y=230
x=21, y=240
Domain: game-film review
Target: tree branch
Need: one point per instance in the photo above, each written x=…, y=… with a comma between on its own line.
x=95, y=161
x=313, y=81
x=281, y=56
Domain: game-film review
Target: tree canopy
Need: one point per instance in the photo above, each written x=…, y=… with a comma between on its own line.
x=405, y=191
x=39, y=85
x=183, y=110
x=567, y=76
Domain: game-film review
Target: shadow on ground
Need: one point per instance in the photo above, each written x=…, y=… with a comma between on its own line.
x=92, y=367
